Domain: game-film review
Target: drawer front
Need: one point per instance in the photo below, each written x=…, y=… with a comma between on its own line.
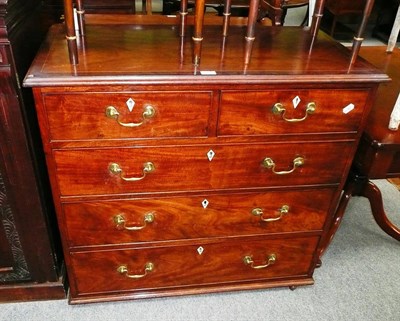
x=182, y=168
x=251, y=113
x=197, y=264
x=84, y=116
x=141, y=220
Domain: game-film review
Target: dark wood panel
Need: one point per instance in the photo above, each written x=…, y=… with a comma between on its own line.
x=34, y=270
x=6, y=255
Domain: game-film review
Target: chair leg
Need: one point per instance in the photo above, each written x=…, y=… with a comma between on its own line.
x=372, y=192
x=147, y=7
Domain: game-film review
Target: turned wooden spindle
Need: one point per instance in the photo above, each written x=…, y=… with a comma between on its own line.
x=359, y=38
x=317, y=17
x=183, y=13
x=251, y=26
x=147, y=7
x=198, y=30
x=251, y=23
x=227, y=16
x=80, y=11
x=70, y=32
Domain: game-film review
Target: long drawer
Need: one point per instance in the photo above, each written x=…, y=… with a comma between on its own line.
x=182, y=168
x=143, y=220
x=74, y=116
x=303, y=111
x=214, y=262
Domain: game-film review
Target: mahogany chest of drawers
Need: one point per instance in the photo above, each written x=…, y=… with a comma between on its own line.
x=171, y=179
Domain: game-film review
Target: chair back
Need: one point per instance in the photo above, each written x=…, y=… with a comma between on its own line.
x=199, y=24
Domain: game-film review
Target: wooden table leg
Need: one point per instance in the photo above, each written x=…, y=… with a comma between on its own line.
x=372, y=192
x=359, y=185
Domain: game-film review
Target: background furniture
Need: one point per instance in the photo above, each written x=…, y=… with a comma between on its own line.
x=30, y=256
x=378, y=155
x=110, y=6
x=105, y=6
x=72, y=35
x=386, y=14
x=277, y=9
x=343, y=7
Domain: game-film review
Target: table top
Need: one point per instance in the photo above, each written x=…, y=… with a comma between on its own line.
x=129, y=54
x=378, y=121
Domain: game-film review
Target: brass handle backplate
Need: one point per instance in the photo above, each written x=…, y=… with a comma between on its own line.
x=270, y=164
x=116, y=169
x=271, y=259
x=279, y=109
x=123, y=269
x=113, y=113
x=259, y=212
x=120, y=222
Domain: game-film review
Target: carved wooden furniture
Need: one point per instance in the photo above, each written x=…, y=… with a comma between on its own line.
x=378, y=155
x=177, y=171
x=30, y=256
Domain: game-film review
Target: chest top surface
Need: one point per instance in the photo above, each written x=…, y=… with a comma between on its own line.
x=121, y=54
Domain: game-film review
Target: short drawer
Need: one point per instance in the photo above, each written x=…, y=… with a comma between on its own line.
x=142, y=220
x=81, y=116
x=183, y=168
x=215, y=262
x=317, y=111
